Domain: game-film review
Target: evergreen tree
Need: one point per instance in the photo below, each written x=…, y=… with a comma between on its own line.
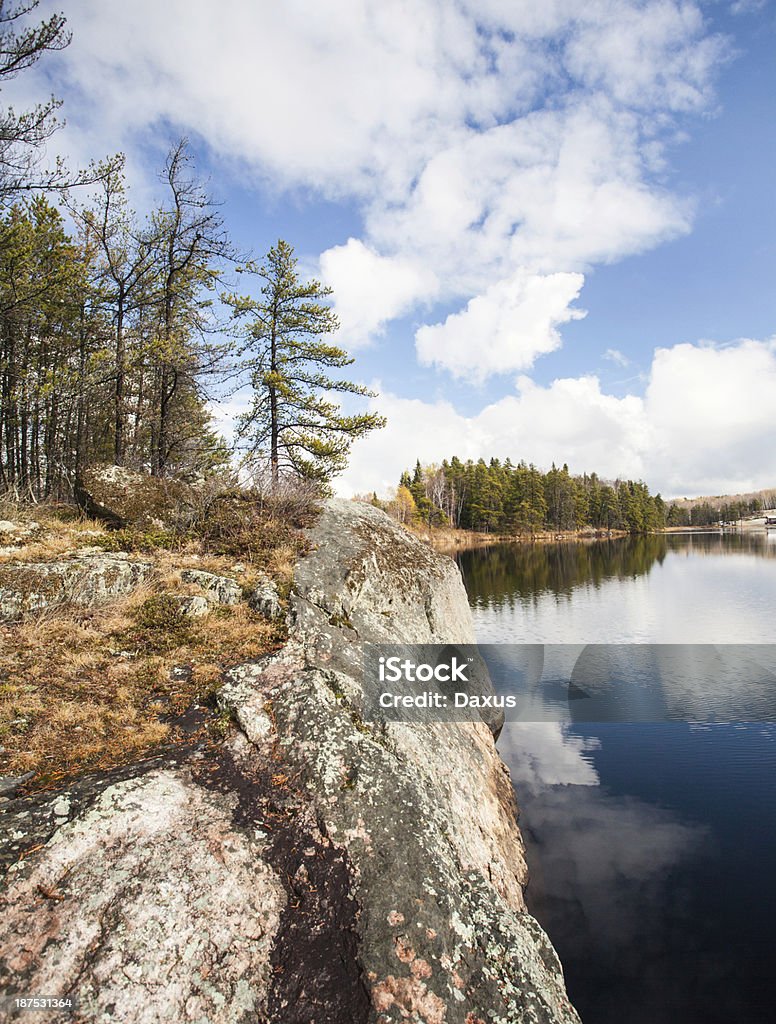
x=292, y=421
x=500, y=496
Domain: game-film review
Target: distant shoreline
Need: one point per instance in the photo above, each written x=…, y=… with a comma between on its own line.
x=450, y=540
x=446, y=539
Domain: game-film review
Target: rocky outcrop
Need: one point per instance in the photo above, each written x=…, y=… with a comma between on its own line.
x=120, y=497
x=265, y=599
x=14, y=535
x=218, y=589
x=90, y=578
x=111, y=935
x=319, y=868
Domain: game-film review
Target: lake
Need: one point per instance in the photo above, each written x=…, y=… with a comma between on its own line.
x=651, y=845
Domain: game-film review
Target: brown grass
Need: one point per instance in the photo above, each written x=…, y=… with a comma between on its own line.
x=448, y=540
x=94, y=690
x=91, y=689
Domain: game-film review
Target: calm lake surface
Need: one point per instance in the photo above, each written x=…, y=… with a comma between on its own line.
x=652, y=847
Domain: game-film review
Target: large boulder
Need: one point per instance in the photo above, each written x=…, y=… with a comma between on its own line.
x=122, y=498
x=155, y=907
x=425, y=813
x=320, y=867
x=90, y=578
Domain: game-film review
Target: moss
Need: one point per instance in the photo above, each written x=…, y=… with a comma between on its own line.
x=133, y=539
x=161, y=622
x=223, y=721
x=341, y=619
x=335, y=687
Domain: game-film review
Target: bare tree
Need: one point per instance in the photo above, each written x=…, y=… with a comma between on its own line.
x=189, y=240
x=125, y=270
x=435, y=485
x=23, y=134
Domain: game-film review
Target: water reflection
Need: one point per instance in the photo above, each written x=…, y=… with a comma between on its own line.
x=651, y=847
x=506, y=573
x=509, y=573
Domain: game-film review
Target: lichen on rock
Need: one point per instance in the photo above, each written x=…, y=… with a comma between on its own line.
x=218, y=589
x=426, y=813
x=319, y=867
x=90, y=578
x=149, y=907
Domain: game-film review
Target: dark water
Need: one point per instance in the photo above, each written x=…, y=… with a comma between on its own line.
x=652, y=847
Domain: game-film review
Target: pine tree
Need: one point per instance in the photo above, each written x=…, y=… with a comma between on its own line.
x=292, y=421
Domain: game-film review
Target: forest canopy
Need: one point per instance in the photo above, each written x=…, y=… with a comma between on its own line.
x=501, y=497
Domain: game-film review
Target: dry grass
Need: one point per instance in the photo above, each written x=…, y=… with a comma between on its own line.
x=91, y=689
x=97, y=689
x=54, y=539
x=448, y=541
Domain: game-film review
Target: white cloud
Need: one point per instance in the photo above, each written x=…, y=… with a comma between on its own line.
x=704, y=426
x=609, y=886
x=547, y=754
x=370, y=289
x=496, y=151
x=747, y=6
x=644, y=59
x=505, y=329
x=554, y=190
x=615, y=356
x=481, y=140
x=712, y=408
x=571, y=420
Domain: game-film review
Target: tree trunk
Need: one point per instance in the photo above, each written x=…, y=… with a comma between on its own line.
x=273, y=410
x=118, y=435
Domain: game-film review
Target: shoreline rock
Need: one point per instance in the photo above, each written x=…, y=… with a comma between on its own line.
x=379, y=866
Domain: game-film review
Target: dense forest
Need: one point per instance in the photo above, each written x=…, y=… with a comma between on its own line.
x=501, y=497
x=104, y=344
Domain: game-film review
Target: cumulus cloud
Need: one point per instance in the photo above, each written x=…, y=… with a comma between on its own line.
x=505, y=329
x=481, y=140
x=547, y=754
x=704, y=426
x=712, y=408
x=608, y=886
x=370, y=290
x=557, y=189
x=496, y=151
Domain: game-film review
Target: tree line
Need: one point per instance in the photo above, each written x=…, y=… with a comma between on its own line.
x=104, y=346
x=503, y=497
x=706, y=513
x=116, y=329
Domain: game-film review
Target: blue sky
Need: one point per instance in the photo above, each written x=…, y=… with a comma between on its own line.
x=469, y=177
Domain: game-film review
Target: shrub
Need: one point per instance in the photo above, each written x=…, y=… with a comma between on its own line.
x=250, y=524
x=130, y=539
x=162, y=623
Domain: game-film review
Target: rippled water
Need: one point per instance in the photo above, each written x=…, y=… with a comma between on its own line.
x=652, y=847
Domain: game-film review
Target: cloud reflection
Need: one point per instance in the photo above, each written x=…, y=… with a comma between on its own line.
x=605, y=870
